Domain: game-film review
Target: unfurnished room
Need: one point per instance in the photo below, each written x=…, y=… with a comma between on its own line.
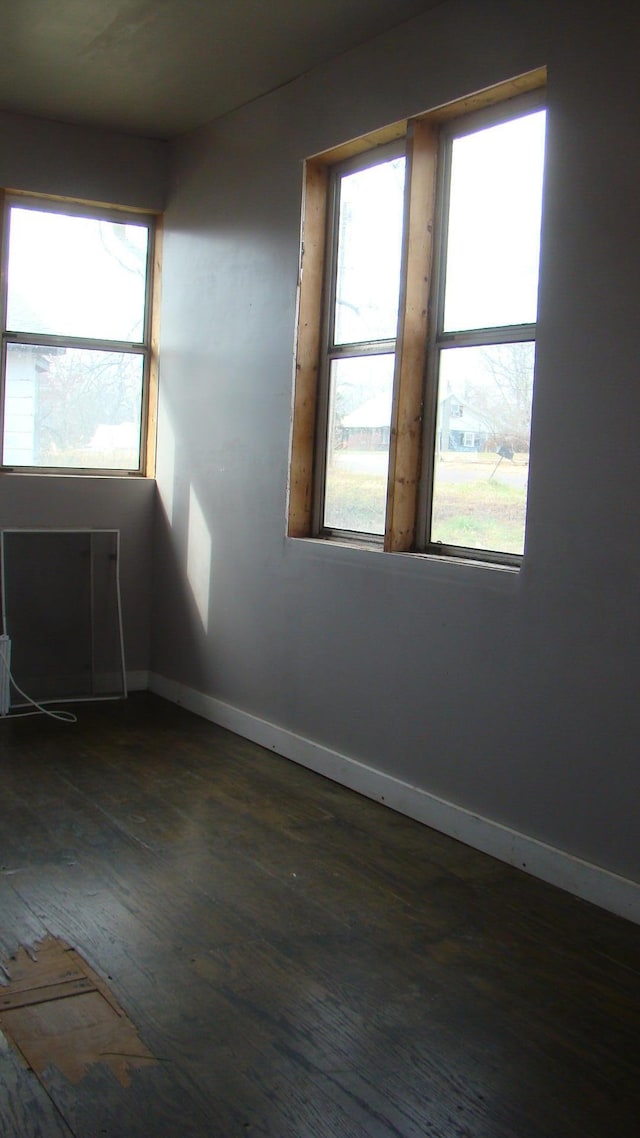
x=319, y=584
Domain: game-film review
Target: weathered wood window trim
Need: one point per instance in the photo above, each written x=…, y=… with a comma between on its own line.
x=413, y=401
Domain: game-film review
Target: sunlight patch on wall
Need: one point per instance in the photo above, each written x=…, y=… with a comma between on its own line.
x=166, y=463
x=199, y=558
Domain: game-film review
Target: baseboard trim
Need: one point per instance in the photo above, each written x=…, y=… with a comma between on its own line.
x=590, y=882
x=137, y=681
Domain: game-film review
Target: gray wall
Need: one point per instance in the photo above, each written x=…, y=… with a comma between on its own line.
x=69, y=161
x=512, y=695
x=46, y=157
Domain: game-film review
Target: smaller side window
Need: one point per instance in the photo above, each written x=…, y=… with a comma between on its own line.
x=75, y=359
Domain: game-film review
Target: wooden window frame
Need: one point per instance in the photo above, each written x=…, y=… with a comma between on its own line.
x=331, y=351
x=409, y=483
x=147, y=347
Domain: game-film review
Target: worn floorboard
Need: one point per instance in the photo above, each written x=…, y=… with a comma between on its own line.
x=26, y=1110
x=301, y=962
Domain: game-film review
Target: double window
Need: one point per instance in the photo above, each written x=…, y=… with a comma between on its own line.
x=76, y=337
x=416, y=336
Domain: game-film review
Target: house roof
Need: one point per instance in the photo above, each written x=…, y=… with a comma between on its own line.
x=374, y=413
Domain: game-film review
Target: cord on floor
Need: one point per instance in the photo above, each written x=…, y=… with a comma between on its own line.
x=60, y=716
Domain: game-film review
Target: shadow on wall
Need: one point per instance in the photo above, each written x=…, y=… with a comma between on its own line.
x=184, y=555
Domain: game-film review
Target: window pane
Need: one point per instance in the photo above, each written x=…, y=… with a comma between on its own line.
x=358, y=443
x=493, y=246
x=482, y=447
x=369, y=252
x=76, y=276
x=72, y=407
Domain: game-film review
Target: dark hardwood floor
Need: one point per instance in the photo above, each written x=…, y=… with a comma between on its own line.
x=301, y=962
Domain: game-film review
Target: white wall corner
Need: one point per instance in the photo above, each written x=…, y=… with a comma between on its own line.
x=590, y=882
x=137, y=681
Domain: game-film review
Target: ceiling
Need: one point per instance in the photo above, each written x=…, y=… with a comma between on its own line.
x=162, y=67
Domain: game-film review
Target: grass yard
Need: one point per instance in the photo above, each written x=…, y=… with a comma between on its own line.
x=482, y=515
x=87, y=458
x=470, y=508
x=356, y=499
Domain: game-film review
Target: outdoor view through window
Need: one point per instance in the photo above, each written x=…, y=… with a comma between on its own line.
x=481, y=339
x=486, y=336
x=75, y=330
x=363, y=342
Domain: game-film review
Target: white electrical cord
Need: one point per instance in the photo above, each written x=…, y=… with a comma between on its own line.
x=61, y=716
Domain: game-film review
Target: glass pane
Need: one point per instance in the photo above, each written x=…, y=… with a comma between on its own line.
x=482, y=447
x=72, y=407
x=493, y=246
x=358, y=443
x=369, y=252
x=76, y=276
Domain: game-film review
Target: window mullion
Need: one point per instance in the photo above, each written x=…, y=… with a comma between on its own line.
x=363, y=348
x=308, y=350
x=326, y=346
x=406, y=414
x=322, y=433
x=148, y=440
x=505, y=334
x=4, y=256
x=51, y=340
x=436, y=310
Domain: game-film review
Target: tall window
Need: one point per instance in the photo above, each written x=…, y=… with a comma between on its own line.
x=75, y=358
x=484, y=342
x=425, y=337
x=367, y=210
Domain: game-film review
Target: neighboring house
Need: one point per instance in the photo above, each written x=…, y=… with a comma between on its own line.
x=367, y=428
x=21, y=444
x=27, y=371
x=460, y=428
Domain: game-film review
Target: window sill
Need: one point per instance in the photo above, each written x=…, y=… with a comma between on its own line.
x=61, y=472
x=440, y=567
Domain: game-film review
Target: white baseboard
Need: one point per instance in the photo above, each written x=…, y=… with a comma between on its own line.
x=137, y=681
x=617, y=894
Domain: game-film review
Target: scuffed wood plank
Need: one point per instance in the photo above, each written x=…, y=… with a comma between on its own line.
x=18, y=924
x=45, y=964
x=26, y=1111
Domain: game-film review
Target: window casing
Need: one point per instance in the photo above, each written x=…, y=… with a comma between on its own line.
x=360, y=338
x=460, y=403
x=76, y=337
